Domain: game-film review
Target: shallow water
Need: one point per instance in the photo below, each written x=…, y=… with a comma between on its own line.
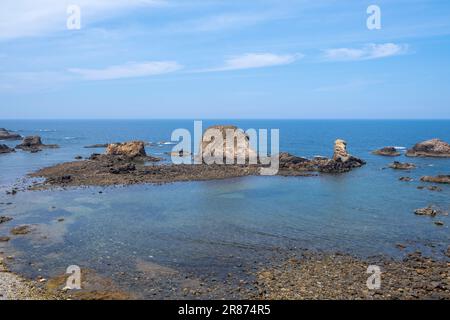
x=210, y=227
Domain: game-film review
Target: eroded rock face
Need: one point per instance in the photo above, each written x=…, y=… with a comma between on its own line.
x=7, y=135
x=387, y=152
x=402, y=166
x=239, y=149
x=34, y=144
x=130, y=149
x=340, y=151
x=5, y=149
x=437, y=179
x=430, y=148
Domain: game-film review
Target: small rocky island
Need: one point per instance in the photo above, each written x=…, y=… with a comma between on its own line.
x=430, y=148
x=128, y=163
x=5, y=149
x=8, y=135
x=34, y=144
x=387, y=152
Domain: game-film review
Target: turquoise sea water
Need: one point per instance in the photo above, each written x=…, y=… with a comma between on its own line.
x=212, y=226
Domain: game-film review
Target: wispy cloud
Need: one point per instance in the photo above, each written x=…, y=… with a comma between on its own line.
x=256, y=60
x=23, y=18
x=368, y=52
x=129, y=70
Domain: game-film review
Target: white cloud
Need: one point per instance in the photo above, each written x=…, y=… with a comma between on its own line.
x=129, y=70
x=256, y=60
x=23, y=18
x=368, y=52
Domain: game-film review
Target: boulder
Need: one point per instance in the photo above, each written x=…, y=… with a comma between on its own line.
x=239, y=148
x=387, y=152
x=5, y=149
x=402, y=166
x=7, y=135
x=428, y=211
x=130, y=149
x=4, y=219
x=430, y=148
x=436, y=179
x=34, y=144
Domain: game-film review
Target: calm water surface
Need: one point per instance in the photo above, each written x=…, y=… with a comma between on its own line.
x=213, y=225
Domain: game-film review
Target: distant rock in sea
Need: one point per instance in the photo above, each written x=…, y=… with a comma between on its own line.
x=5, y=149
x=7, y=135
x=34, y=144
x=430, y=148
x=436, y=179
x=402, y=166
x=387, y=152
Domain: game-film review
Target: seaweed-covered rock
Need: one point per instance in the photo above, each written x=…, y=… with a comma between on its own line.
x=430, y=148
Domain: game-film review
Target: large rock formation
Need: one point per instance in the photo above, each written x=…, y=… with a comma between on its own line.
x=7, y=135
x=34, y=144
x=239, y=148
x=387, y=152
x=436, y=179
x=430, y=148
x=5, y=149
x=130, y=149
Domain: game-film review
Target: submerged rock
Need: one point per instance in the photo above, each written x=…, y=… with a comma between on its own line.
x=130, y=149
x=34, y=144
x=407, y=179
x=436, y=179
x=4, y=239
x=387, y=152
x=21, y=230
x=100, y=145
x=430, y=148
x=402, y=166
x=5, y=149
x=7, y=135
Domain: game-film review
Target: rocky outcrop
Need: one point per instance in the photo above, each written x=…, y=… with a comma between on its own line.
x=387, y=152
x=402, y=166
x=34, y=144
x=130, y=149
x=436, y=179
x=4, y=219
x=341, y=162
x=430, y=148
x=7, y=135
x=428, y=211
x=100, y=145
x=5, y=149
x=240, y=148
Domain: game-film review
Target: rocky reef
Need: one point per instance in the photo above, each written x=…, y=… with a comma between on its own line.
x=402, y=166
x=387, y=152
x=430, y=148
x=34, y=144
x=5, y=149
x=127, y=163
x=7, y=135
x=341, y=162
x=436, y=179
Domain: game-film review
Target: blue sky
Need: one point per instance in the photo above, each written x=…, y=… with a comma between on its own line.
x=225, y=59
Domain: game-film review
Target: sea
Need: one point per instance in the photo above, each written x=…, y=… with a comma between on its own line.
x=213, y=226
